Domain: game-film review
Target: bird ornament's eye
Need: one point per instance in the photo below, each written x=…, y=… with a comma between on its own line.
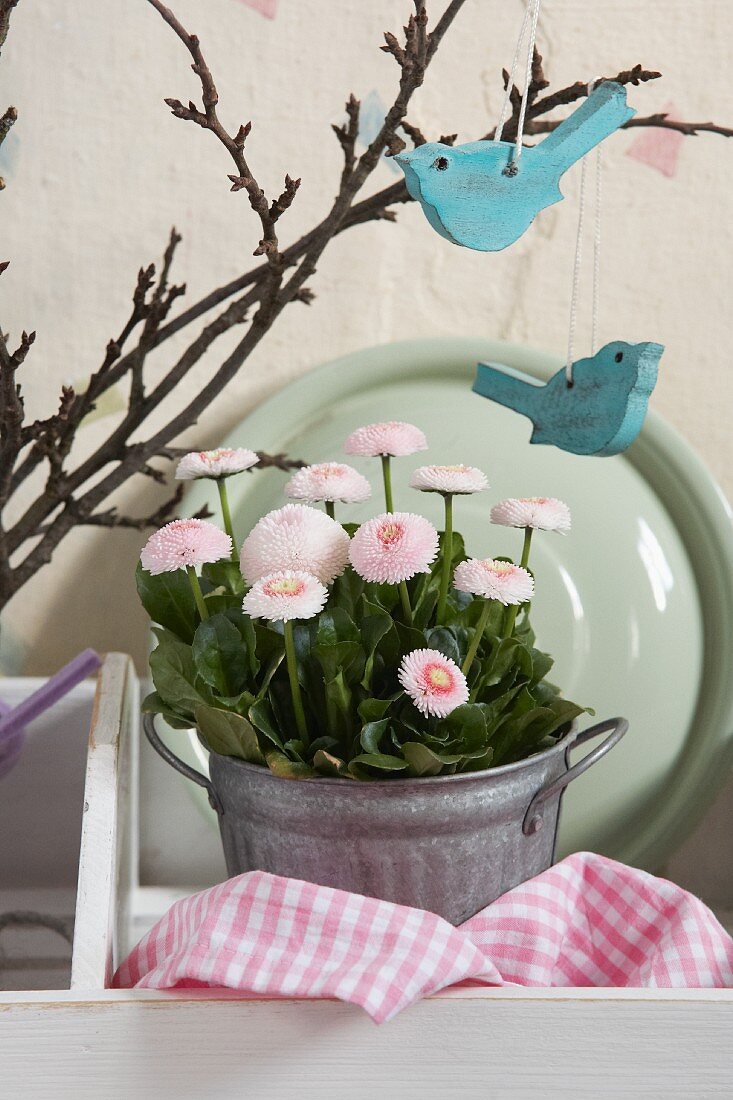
x=441, y=163
x=619, y=356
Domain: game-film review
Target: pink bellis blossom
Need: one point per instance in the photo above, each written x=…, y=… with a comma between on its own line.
x=295, y=537
x=393, y=438
x=222, y=462
x=539, y=513
x=434, y=683
x=331, y=481
x=494, y=580
x=183, y=543
x=393, y=547
x=449, y=480
x=285, y=595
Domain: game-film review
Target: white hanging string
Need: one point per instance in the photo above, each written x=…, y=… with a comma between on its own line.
x=596, y=256
x=527, y=81
x=531, y=16
x=579, y=260
x=510, y=82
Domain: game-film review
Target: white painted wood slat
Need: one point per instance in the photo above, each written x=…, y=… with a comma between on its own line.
x=108, y=854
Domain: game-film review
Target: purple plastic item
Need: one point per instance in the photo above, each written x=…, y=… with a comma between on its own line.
x=13, y=720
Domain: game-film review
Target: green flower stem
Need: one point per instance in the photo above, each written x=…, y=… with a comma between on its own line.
x=330, y=508
x=476, y=641
x=528, y=531
x=447, y=559
x=511, y=616
x=512, y=610
x=387, y=478
x=226, y=514
x=197, y=593
x=405, y=597
x=294, y=685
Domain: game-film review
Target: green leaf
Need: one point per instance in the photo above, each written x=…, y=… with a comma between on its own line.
x=347, y=588
x=443, y=639
x=336, y=625
x=270, y=671
x=220, y=656
x=372, y=734
x=467, y=724
x=340, y=657
x=279, y=765
x=379, y=760
x=261, y=717
x=410, y=638
x=169, y=601
x=423, y=761
x=372, y=710
x=247, y=633
x=153, y=704
x=373, y=625
x=226, y=574
x=174, y=675
x=228, y=734
x=541, y=664
x=338, y=698
x=327, y=764
x=477, y=761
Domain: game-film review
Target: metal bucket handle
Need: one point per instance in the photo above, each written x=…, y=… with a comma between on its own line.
x=185, y=769
x=533, y=819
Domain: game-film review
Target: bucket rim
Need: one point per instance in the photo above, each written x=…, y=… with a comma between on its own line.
x=562, y=746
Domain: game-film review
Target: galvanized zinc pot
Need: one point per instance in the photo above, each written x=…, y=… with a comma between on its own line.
x=450, y=844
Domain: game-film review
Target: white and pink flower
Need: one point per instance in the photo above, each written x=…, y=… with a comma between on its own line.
x=540, y=513
x=295, y=537
x=392, y=438
x=332, y=481
x=434, y=683
x=449, y=480
x=222, y=462
x=285, y=595
x=494, y=580
x=393, y=547
x=184, y=542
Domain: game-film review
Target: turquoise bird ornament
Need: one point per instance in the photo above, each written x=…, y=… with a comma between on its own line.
x=478, y=195
x=600, y=413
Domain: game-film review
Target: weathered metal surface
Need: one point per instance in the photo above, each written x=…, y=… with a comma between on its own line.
x=449, y=844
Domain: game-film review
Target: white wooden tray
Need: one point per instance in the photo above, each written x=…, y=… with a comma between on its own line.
x=89, y=1041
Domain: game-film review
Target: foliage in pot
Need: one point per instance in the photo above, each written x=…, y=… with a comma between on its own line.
x=343, y=651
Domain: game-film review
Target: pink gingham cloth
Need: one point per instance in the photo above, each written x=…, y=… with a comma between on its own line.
x=588, y=921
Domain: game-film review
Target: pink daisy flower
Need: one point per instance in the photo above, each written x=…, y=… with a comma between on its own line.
x=494, y=580
x=449, y=479
x=334, y=481
x=295, y=537
x=184, y=542
x=435, y=684
x=287, y=594
x=393, y=547
x=222, y=462
x=393, y=437
x=540, y=513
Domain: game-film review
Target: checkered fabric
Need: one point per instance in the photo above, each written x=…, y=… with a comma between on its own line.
x=588, y=921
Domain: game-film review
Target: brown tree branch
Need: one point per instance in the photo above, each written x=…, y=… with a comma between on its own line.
x=234, y=144
x=6, y=10
x=10, y=116
x=75, y=496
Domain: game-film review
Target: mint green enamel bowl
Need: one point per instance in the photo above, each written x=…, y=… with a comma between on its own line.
x=636, y=604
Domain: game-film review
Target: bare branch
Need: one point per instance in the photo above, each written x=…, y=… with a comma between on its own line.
x=6, y=10
x=77, y=495
x=234, y=144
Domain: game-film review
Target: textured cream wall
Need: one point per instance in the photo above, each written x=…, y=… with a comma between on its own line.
x=98, y=170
